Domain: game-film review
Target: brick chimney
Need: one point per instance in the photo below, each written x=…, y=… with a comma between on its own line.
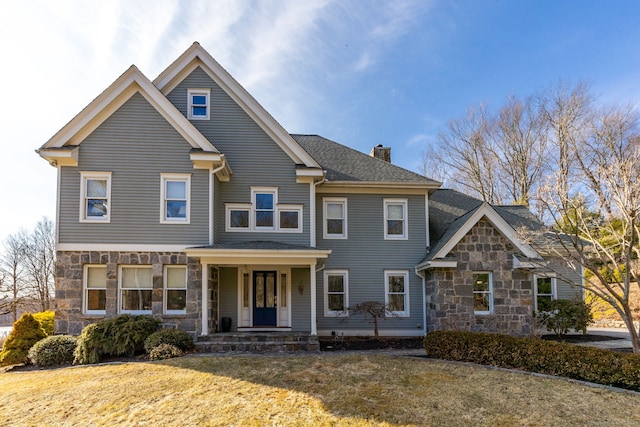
x=382, y=153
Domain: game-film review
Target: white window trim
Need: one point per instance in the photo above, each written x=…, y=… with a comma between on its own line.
x=554, y=289
x=120, y=309
x=251, y=208
x=387, y=273
x=164, y=178
x=336, y=313
x=85, y=289
x=484, y=312
x=334, y=200
x=405, y=222
x=83, y=196
x=190, y=93
x=166, y=288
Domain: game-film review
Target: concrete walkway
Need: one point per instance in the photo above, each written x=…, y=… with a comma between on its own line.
x=623, y=342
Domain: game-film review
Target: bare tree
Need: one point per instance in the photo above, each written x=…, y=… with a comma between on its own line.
x=13, y=271
x=596, y=209
x=39, y=262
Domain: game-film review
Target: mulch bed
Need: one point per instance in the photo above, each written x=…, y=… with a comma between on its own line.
x=369, y=343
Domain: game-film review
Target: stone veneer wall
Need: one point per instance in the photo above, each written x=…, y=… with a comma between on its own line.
x=450, y=290
x=69, y=287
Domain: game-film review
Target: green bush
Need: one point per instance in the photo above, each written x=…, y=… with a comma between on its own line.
x=536, y=355
x=25, y=333
x=176, y=337
x=53, y=350
x=120, y=336
x=165, y=351
x=560, y=315
x=46, y=319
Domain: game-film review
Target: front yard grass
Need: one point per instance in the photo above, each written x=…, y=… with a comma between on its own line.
x=304, y=390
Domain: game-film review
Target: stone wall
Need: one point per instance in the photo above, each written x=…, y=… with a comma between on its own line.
x=450, y=290
x=69, y=287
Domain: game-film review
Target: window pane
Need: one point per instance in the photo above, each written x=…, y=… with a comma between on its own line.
x=199, y=100
x=245, y=290
x=289, y=219
x=176, y=299
x=239, y=219
x=335, y=302
x=481, y=282
x=199, y=111
x=396, y=301
x=336, y=283
x=334, y=210
x=136, y=300
x=544, y=285
x=176, y=190
x=481, y=301
x=96, y=277
x=176, y=277
x=396, y=284
x=259, y=291
x=176, y=209
x=283, y=290
x=96, y=188
x=96, y=207
x=264, y=219
x=334, y=226
x=544, y=302
x=395, y=227
x=96, y=299
x=271, y=290
x=395, y=212
x=264, y=201
x=137, y=278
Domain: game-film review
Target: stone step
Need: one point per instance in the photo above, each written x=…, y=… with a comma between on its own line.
x=277, y=342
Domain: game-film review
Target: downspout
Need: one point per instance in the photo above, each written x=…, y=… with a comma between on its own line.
x=211, y=199
x=424, y=300
x=312, y=210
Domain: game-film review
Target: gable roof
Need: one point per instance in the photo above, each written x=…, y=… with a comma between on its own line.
x=197, y=56
x=129, y=83
x=346, y=165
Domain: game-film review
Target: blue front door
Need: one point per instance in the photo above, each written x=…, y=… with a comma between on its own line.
x=265, y=288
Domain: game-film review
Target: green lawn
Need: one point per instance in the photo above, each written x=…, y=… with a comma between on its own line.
x=304, y=390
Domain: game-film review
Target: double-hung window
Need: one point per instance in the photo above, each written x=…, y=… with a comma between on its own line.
x=545, y=292
x=136, y=287
x=482, y=293
x=264, y=213
x=95, y=289
x=198, y=101
x=95, y=196
x=336, y=293
x=395, y=219
x=264, y=202
x=396, y=284
x=175, y=289
x=335, y=218
x=175, y=204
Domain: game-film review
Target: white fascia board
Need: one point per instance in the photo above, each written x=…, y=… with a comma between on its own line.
x=437, y=263
x=257, y=257
x=196, y=56
x=60, y=157
x=373, y=187
x=129, y=83
x=119, y=247
x=485, y=210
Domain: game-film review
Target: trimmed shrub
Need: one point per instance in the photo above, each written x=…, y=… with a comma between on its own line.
x=560, y=315
x=120, y=336
x=176, y=337
x=46, y=319
x=53, y=350
x=165, y=351
x=536, y=355
x=25, y=333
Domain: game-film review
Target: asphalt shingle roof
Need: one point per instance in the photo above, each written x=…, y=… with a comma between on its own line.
x=346, y=164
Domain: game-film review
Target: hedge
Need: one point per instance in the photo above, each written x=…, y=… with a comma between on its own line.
x=176, y=337
x=536, y=355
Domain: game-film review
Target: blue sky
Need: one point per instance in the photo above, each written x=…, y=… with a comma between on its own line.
x=359, y=72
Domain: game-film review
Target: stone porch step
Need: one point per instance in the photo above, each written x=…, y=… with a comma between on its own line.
x=258, y=342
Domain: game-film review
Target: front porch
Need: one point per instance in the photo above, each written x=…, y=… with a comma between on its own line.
x=258, y=342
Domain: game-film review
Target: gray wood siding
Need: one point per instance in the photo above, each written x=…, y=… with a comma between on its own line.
x=366, y=255
x=136, y=144
x=566, y=277
x=229, y=295
x=300, y=304
x=255, y=159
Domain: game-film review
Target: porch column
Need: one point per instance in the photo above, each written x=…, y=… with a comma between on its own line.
x=312, y=275
x=205, y=300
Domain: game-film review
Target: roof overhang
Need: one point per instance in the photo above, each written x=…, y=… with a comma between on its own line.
x=528, y=263
x=64, y=156
x=225, y=256
x=374, y=187
x=437, y=263
x=215, y=162
x=306, y=175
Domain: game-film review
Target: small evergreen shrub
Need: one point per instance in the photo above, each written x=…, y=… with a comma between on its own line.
x=176, y=337
x=536, y=355
x=561, y=315
x=53, y=350
x=46, y=319
x=165, y=351
x=25, y=333
x=120, y=336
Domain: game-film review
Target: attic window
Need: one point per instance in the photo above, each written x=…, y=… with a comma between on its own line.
x=198, y=104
